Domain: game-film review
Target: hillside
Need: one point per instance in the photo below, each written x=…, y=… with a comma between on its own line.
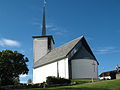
x=103, y=85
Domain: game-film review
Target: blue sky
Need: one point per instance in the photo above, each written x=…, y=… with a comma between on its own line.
x=97, y=20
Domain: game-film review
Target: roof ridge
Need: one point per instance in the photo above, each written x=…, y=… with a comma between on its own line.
x=69, y=42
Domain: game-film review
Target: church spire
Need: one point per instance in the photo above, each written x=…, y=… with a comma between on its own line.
x=44, y=21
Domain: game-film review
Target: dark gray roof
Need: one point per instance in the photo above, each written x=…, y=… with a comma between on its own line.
x=108, y=73
x=57, y=53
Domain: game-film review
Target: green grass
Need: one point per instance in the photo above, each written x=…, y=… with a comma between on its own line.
x=103, y=85
x=81, y=81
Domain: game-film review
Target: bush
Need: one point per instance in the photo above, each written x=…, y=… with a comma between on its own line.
x=82, y=81
x=51, y=80
x=29, y=81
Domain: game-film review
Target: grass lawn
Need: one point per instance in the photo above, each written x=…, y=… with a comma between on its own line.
x=103, y=85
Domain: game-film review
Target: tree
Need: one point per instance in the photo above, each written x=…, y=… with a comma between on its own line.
x=29, y=81
x=16, y=81
x=12, y=64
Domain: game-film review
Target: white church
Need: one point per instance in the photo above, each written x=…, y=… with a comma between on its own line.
x=73, y=60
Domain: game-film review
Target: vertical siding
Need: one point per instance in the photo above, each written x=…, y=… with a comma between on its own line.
x=84, y=68
x=82, y=64
x=40, y=48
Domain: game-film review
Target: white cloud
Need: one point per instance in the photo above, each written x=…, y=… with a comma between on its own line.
x=52, y=28
x=36, y=23
x=9, y=42
x=57, y=30
x=105, y=50
x=22, y=76
x=59, y=33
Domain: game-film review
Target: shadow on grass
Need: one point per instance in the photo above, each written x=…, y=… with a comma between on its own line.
x=68, y=88
x=75, y=88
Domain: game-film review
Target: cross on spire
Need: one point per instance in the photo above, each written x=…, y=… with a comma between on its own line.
x=44, y=21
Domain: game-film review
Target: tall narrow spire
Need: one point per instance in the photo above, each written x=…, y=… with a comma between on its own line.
x=44, y=20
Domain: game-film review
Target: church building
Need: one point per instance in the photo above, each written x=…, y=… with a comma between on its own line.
x=73, y=60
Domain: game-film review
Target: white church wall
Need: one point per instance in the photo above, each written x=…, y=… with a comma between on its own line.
x=40, y=47
x=40, y=74
x=63, y=68
x=84, y=68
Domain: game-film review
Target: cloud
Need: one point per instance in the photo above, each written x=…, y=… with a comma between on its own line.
x=57, y=30
x=9, y=42
x=105, y=50
x=36, y=23
x=22, y=76
x=59, y=33
x=52, y=28
x=26, y=51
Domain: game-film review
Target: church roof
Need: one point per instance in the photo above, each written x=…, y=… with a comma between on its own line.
x=63, y=51
x=57, y=53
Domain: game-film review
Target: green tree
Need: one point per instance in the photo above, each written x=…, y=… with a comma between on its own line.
x=29, y=81
x=16, y=81
x=12, y=64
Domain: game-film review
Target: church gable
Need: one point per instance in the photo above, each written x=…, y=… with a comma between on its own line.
x=81, y=50
x=82, y=53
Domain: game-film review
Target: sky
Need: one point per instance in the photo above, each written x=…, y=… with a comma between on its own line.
x=97, y=20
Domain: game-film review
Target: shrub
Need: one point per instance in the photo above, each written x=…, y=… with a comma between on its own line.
x=29, y=81
x=51, y=80
x=82, y=81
